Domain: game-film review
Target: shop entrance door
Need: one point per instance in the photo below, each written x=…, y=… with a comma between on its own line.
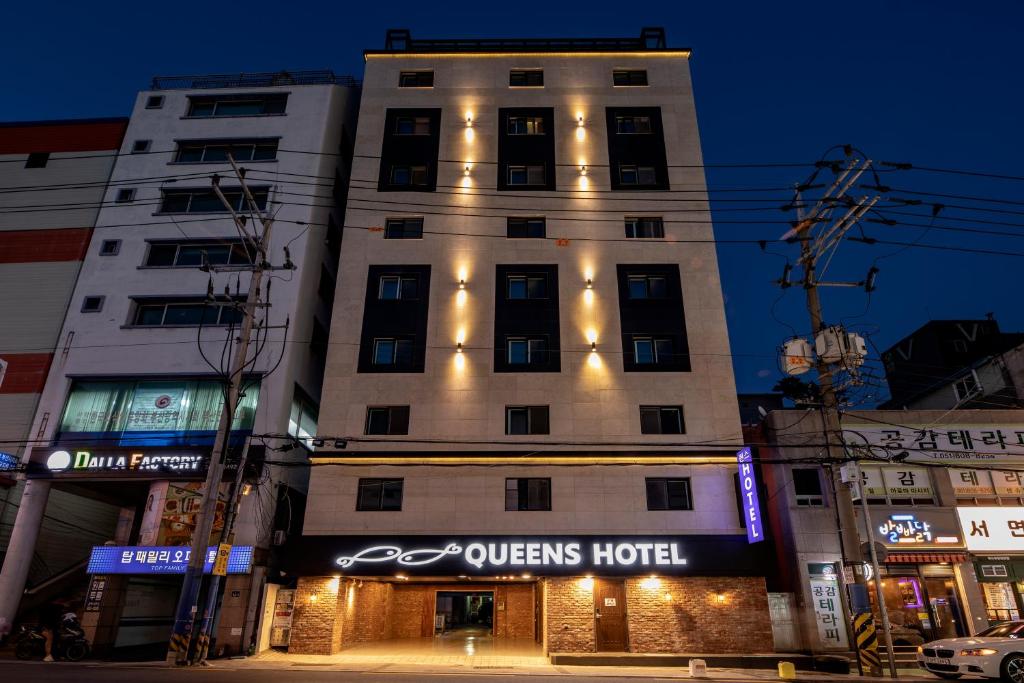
x=610, y=615
x=467, y=613
x=947, y=619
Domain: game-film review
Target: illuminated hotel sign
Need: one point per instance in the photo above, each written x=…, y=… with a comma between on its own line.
x=125, y=461
x=916, y=528
x=114, y=559
x=748, y=493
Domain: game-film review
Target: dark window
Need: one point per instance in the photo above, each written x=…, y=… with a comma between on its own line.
x=526, y=125
x=37, y=160
x=653, y=351
x=326, y=285
x=393, y=352
x=416, y=79
x=630, y=174
x=393, y=287
x=526, y=228
x=644, y=227
x=205, y=201
x=527, y=287
x=125, y=195
x=387, y=420
x=192, y=254
x=141, y=146
x=633, y=125
x=527, y=494
x=668, y=494
x=527, y=350
x=154, y=102
x=149, y=313
x=404, y=175
x=379, y=494
x=636, y=148
x=532, y=174
x=110, y=247
x=527, y=420
x=412, y=125
x=661, y=420
x=647, y=287
x=528, y=78
x=333, y=241
x=92, y=304
x=403, y=229
x=807, y=484
x=217, y=151
x=629, y=77
x=237, y=105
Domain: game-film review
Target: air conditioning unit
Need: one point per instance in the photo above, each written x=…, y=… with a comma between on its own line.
x=280, y=536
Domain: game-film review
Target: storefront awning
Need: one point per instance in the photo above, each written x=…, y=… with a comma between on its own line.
x=925, y=558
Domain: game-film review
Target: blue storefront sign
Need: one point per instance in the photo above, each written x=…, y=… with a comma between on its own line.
x=135, y=559
x=748, y=494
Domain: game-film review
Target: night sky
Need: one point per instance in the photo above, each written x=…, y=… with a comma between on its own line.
x=935, y=84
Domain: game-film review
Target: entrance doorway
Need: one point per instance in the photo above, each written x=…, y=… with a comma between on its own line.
x=464, y=612
x=610, y=615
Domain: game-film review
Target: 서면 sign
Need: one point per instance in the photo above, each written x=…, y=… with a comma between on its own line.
x=993, y=529
x=540, y=555
x=114, y=461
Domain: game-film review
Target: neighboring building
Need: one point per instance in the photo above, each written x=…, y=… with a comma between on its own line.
x=529, y=370
x=131, y=406
x=939, y=502
x=948, y=364
x=53, y=177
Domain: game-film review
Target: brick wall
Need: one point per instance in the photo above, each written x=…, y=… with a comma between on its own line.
x=409, y=604
x=517, y=619
x=316, y=628
x=366, y=612
x=684, y=615
x=569, y=610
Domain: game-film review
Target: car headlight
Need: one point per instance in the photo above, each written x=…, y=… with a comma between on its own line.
x=978, y=652
x=920, y=649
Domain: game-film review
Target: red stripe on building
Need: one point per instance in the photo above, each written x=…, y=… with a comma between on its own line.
x=62, y=136
x=36, y=246
x=26, y=372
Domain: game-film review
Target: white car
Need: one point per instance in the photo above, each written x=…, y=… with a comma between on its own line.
x=996, y=652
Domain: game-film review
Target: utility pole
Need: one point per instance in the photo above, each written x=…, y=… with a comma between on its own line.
x=181, y=636
x=815, y=244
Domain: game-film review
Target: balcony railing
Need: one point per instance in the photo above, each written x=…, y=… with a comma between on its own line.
x=252, y=80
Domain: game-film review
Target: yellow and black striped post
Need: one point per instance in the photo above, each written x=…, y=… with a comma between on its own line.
x=867, y=643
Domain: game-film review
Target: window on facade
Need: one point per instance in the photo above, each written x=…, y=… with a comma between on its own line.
x=326, y=285
x=37, y=160
x=652, y=350
x=403, y=229
x=155, y=102
x=647, y=287
x=644, y=227
x=206, y=201
x=416, y=79
x=302, y=420
x=175, y=406
x=193, y=253
x=141, y=146
x=527, y=420
x=531, y=174
x=237, y=105
x=521, y=228
x=661, y=420
x=807, y=485
x=623, y=77
x=394, y=287
x=527, y=494
x=412, y=125
x=110, y=247
x=318, y=342
x=633, y=125
x=387, y=420
x=92, y=304
x=527, y=350
x=526, y=125
x=409, y=175
x=967, y=387
x=665, y=493
x=125, y=195
x=210, y=151
x=526, y=78
x=630, y=174
x=392, y=351
x=185, y=313
x=333, y=241
x=527, y=287
x=379, y=495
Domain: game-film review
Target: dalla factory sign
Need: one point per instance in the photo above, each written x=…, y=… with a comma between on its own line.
x=137, y=462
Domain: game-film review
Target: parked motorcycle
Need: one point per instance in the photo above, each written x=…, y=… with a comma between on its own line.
x=69, y=641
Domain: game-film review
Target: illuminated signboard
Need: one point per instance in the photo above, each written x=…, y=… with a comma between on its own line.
x=993, y=529
x=916, y=528
x=114, y=559
x=81, y=460
x=748, y=494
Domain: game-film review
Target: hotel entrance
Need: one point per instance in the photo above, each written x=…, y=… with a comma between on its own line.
x=467, y=613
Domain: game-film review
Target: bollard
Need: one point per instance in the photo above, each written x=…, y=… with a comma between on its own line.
x=698, y=668
x=787, y=671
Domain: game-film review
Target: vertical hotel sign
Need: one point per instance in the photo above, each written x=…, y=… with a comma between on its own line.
x=748, y=494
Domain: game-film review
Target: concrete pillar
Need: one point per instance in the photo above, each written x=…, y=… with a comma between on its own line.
x=971, y=599
x=101, y=622
x=21, y=547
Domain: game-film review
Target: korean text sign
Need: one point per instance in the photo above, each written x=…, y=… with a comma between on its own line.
x=113, y=559
x=992, y=529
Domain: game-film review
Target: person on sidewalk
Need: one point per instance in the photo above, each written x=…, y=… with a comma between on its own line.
x=50, y=618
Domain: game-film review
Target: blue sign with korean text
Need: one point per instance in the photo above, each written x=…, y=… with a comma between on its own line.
x=135, y=559
x=748, y=494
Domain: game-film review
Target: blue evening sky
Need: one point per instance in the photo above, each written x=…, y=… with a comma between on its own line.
x=934, y=83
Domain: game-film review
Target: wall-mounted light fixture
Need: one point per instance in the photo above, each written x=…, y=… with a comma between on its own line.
x=462, y=284
x=458, y=347
x=590, y=283
x=583, y=169
x=587, y=583
x=466, y=171
x=469, y=119
x=720, y=598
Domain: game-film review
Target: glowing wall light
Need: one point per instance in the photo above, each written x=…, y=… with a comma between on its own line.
x=587, y=583
x=581, y=131
x=651, y=583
